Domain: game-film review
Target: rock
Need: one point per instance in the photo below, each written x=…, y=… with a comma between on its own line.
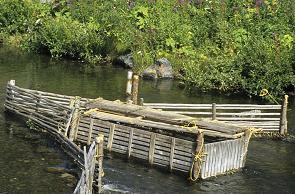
x=60, y=170
x=32, y=137
x=56, y=170
x=126, y=61
x=161, y=69
x=44, y=149
x=68, y=177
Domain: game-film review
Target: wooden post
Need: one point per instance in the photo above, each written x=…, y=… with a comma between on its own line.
x=12, y=83
x=213, y=111
x=245, y=143
x=111, y=137
x=141, y=101
x=198, y=164
x=284, y=120
x=172, y=150
x=90, y=131
x=152, y=148
x=135, y=89
x=99, y=159
x=129, y=86
x=74, y=120
x=130, y=142
x=38, y=100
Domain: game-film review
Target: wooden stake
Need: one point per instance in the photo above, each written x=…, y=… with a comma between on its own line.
x=90, y=131
x=74, y=120
x=213, y=111
x=99, y=159
x=111, y=137
x=130, y=142
x=129, y=86
x=12, y=83
x=152, y=148
x=198, y=164
x=284, y=120
x=135, y=89
x=141, y=101
x=172, y=150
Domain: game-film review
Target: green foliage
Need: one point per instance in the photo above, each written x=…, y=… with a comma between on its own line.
x=18, y=16
x=63, y=36
x=230, y=45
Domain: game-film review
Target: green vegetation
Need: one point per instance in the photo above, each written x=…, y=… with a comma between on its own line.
x=230, y=45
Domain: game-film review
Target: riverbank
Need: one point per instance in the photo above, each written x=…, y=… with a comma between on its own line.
x=228, y=46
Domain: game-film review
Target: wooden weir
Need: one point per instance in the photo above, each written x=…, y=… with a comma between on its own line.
x=201, y=148
x=53, y=118
x=268, y=118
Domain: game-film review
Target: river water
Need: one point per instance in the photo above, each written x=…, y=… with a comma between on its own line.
x=25, y=155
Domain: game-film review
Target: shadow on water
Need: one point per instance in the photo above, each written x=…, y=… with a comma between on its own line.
x=25, y=155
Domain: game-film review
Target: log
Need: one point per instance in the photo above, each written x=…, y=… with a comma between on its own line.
x=135, y=89
x=129, y=86
x=198, y=163
x=283, y=119
x=99, y=159
x=162, y=116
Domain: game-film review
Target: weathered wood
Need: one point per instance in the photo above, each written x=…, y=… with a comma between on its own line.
x=129, y=86
x=223, y=130
x=99, y=158
x=152, y=148
x=198, y=157
x=141, y=101
x=213, y=111
x=111, y=137
x=75, y=119
x=209, y=106
x=156, y=140
x=135, y=89
x=136, y=110
x=172, y=153
x=283, y=119
x=90, y=131
x=130, y=142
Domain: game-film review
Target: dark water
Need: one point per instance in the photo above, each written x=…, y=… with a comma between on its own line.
x=270, y=166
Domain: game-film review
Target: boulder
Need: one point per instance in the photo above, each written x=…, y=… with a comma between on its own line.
x=161, y=69
x=126, y=61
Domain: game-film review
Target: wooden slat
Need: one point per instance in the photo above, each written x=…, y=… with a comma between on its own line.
x=172, y=153
x=246, y=119
x=111, y=137
x=152, y=148
x=90, y=132
x=130, y=142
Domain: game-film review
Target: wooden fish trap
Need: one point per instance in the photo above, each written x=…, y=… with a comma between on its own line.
x=201, y=148
x=54, y=118
x=268, y=118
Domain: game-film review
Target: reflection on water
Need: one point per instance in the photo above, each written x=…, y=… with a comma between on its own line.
x=269, y=168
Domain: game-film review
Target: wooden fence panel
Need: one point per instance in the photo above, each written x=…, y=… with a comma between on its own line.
x=265, y=117
x=222, y=157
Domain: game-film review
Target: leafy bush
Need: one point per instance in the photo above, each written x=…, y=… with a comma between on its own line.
x=230, y=45
x=63, y=36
